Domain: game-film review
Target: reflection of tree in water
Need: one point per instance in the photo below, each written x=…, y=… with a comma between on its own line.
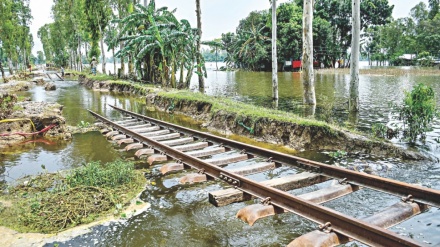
x=2, y=174
x=10, y=156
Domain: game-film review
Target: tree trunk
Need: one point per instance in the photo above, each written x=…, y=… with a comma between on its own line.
x=173, y=72
x=307, y=59
x=181, y=74
x=216, y=54
x=189, y=76
x=85, y=50
x=3, y=72
x=79, y=54
x=102, y=52
x=274, y=55
x=145, y=3
x=199, y=60
x=11, y=68
x=114, y=61
x=130, y=64
x=71, y=59
x=353, y=103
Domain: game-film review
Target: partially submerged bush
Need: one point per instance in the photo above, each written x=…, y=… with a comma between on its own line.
x=379, y=130
x=51, y=203
x=418, y=111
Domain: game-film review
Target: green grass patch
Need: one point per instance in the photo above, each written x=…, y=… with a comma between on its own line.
x=256, y=113
x=137, y=88
x=50, y=203
x=101, y=77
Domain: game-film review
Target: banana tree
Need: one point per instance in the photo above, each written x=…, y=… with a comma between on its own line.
x=159, y=42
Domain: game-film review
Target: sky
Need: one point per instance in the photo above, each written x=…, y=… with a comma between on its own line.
x=218, y=16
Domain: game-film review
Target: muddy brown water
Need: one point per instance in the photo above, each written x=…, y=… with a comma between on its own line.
x=182, y=215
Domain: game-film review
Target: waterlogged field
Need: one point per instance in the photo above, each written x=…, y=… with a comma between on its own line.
x=182, y=216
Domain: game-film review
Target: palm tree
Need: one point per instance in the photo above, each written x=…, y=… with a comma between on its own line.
x=251, y=45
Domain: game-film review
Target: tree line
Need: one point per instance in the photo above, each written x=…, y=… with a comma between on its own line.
x=250, y=46
x=157, y=47
x=15, y=37
x=417, y=34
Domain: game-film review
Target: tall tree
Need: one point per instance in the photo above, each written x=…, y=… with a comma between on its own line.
x=199, y=57
x=433, y=8
x=307, y=58
x=98, y=13
x=274, y=55
x=353, y=103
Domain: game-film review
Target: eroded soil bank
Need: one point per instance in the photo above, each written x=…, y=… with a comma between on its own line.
x=229, y=117
x=25, y=119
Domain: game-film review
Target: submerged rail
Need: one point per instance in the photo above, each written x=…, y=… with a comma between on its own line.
x=341, y=224
x=418, y=194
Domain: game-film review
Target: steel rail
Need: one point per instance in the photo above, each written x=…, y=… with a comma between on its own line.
x=344, y=225
x=419, y=194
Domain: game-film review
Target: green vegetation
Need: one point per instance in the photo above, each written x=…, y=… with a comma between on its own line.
x=418, y=111
x=416, y=34
x=7, y=102
x=379, y=130
x=338, y=154
x=255, y=113
x=101, y=77
x=83, y=124
x=250, y=46
x=15, y=36
x=50, y=203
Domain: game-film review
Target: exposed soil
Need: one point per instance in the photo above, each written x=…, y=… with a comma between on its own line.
x=288, y=134
x=29, y=117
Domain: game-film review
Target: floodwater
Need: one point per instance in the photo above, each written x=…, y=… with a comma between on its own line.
x=181, y=215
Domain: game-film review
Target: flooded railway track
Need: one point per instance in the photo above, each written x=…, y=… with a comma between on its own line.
x=213, y=157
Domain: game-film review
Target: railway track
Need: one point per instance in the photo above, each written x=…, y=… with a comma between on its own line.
x=225, y=160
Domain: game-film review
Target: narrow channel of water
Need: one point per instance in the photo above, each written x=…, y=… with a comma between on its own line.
x=182, y=215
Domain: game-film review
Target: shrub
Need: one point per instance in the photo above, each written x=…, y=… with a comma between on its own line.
x=105, y=176
x=379, y=130
x=418, y=111
x=51, y=202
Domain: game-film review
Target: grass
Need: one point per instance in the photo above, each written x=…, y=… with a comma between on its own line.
x=241, y=109
x=138, y=88
x=50, y=203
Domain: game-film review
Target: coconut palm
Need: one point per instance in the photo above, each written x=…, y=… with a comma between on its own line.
x=252, y=45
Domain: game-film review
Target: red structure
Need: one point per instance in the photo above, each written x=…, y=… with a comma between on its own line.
x=296, y=64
